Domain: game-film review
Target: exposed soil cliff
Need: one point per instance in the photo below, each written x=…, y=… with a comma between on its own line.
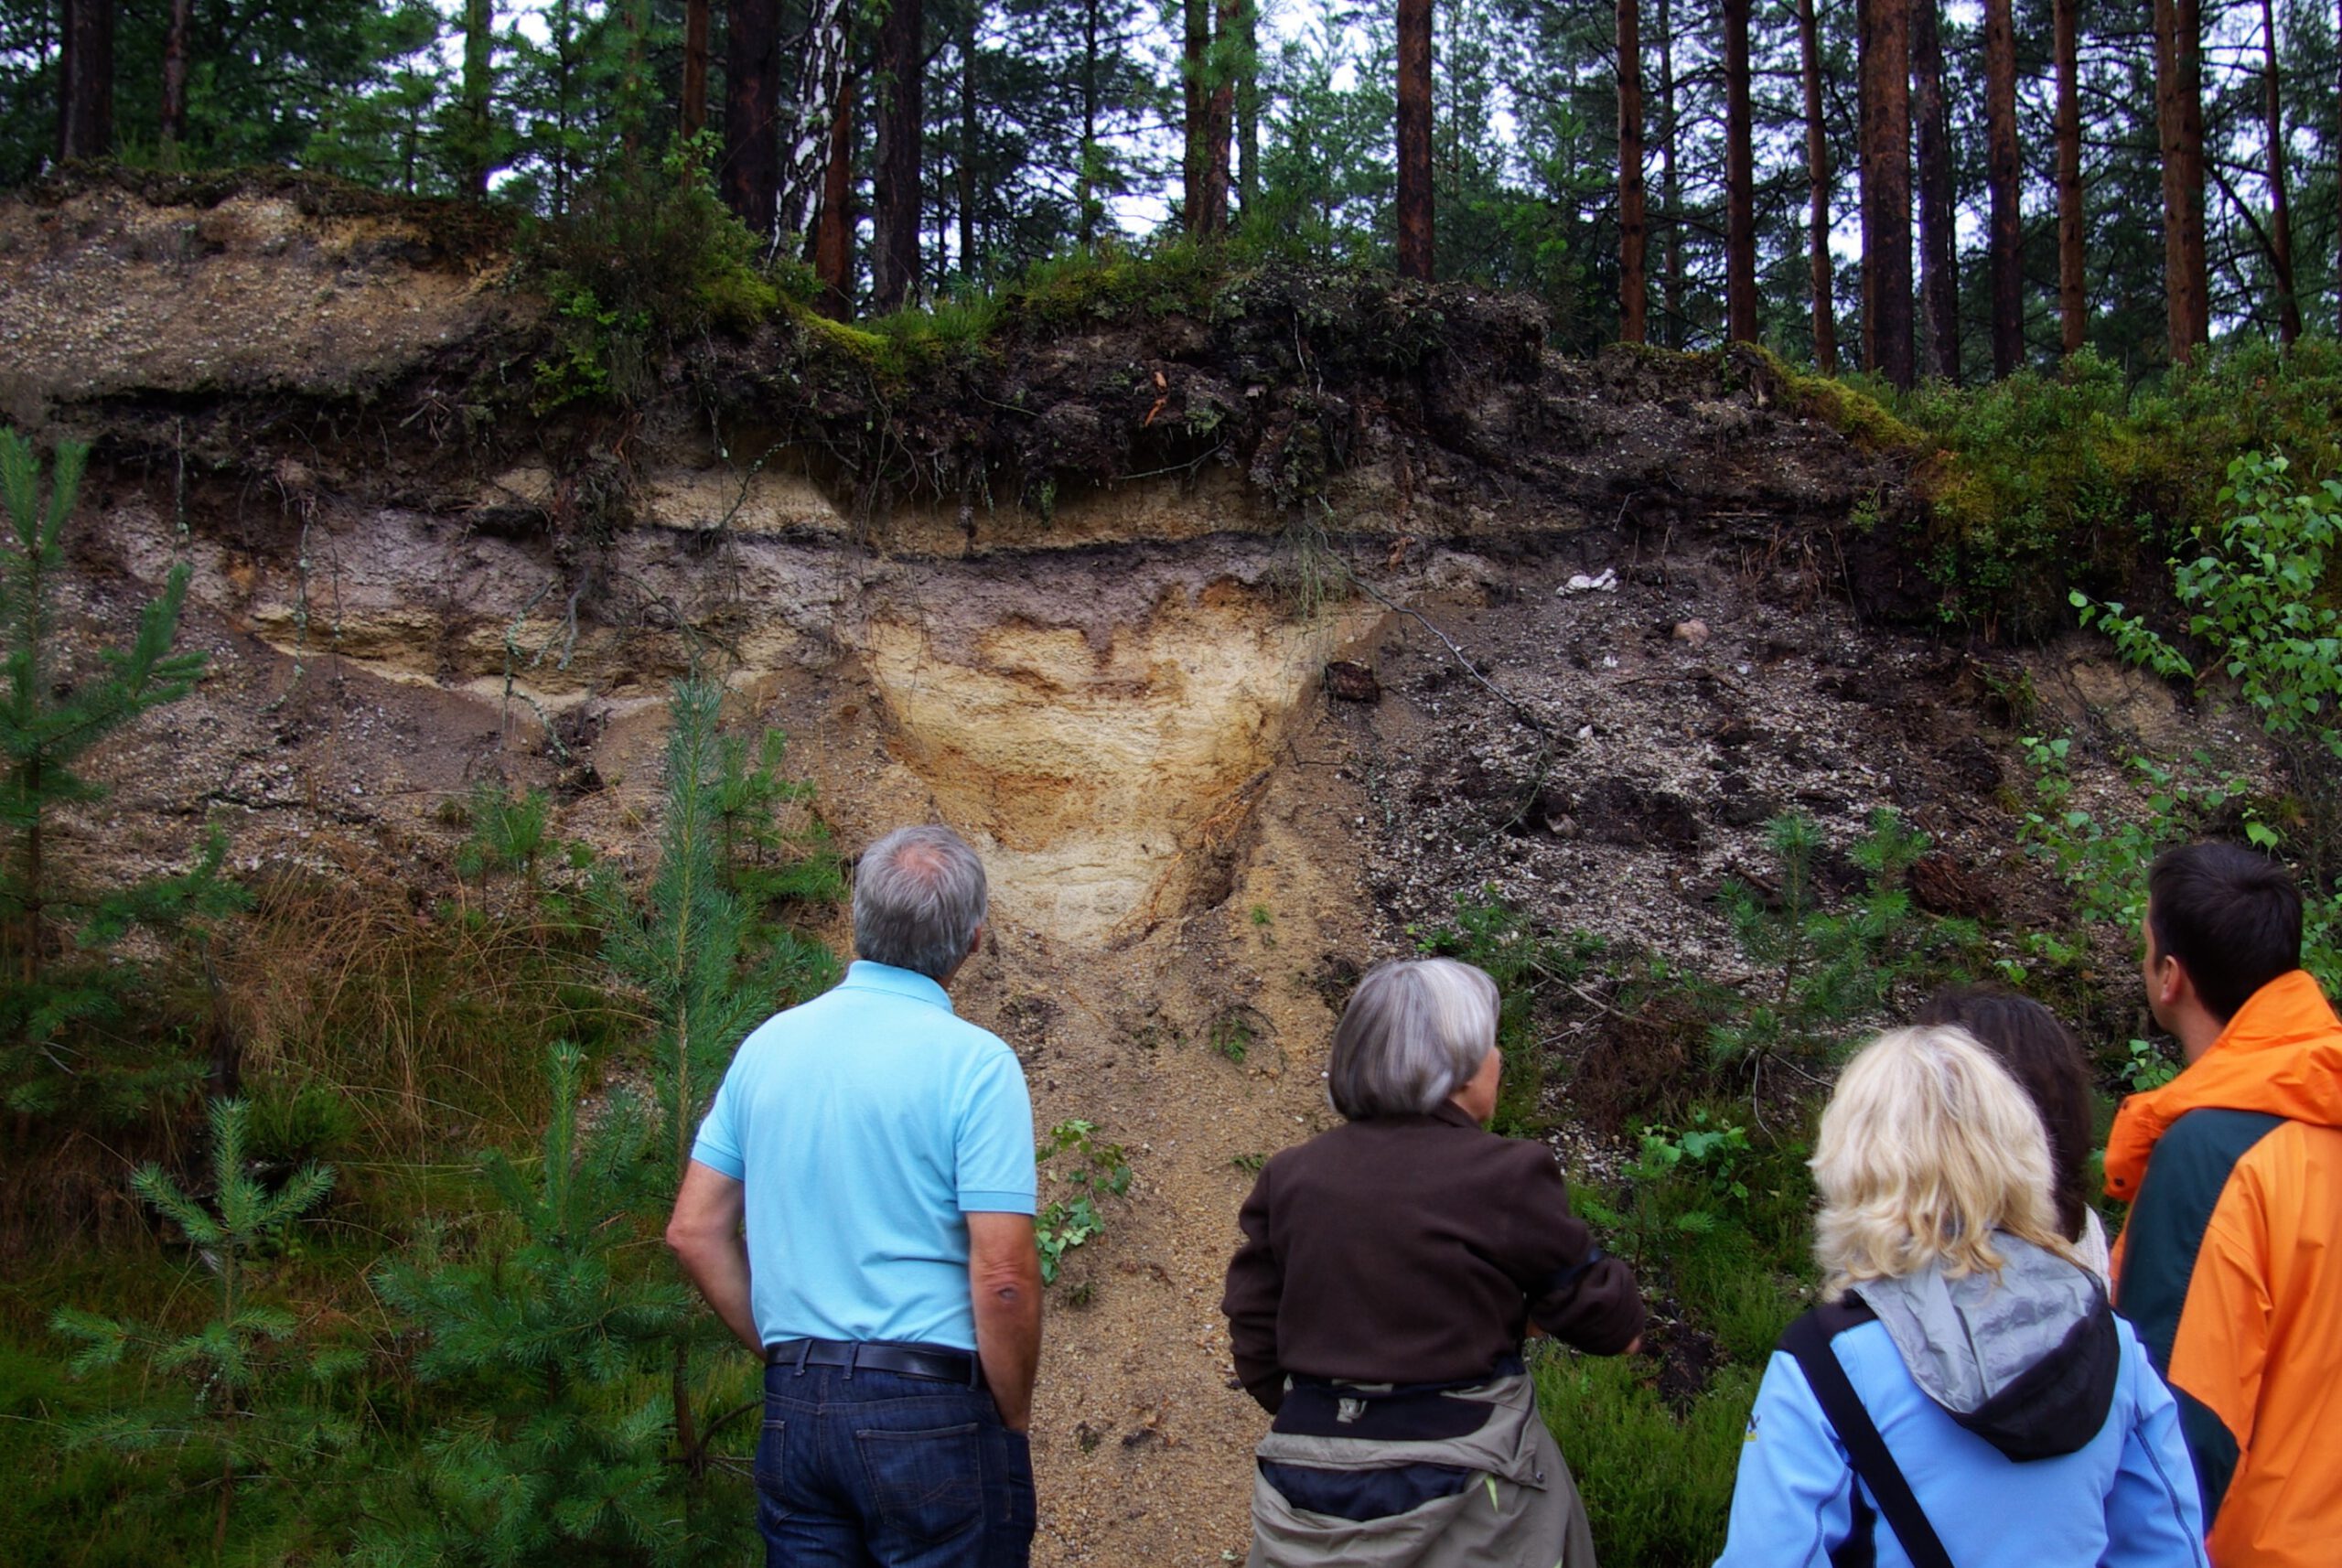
x=1074, y=594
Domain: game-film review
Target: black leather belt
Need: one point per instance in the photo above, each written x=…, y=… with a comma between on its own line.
x=945, y=1365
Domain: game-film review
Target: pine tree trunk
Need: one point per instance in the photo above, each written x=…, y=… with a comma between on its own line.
x=175, y=40
x=1633, y=227
x=1671, y=282
x=1248, y=104
x=696, y=29
x=2179, y=116
x=1886, y=188
x=1938, y=239
x=479, y=90
x=751, y=175
x=2073, y=310
x=2007, y=220
x=1219, y=121
x=1865, y=131
x=1817, y=179
x=1086, y=178
x=896, y=197
x=970, y=130
x=2280, y=224
x=1414, y=140
x=85, y=81
x=1195, y=97
x=1739, y=179
x=833, y=233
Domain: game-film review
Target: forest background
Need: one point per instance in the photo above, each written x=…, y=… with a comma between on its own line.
x=2080, y=259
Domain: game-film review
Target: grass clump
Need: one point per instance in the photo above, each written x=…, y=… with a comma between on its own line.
x=1657, y=1483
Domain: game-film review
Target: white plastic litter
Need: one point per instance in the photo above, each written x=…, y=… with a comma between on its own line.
x=1602, y=581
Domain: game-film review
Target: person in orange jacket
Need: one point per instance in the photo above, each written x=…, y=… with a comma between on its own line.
x=2230, y=1262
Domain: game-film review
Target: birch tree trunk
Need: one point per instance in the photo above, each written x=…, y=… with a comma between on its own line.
x=804, y=119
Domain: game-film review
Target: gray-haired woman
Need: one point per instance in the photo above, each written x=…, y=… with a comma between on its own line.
x=1390, y=1270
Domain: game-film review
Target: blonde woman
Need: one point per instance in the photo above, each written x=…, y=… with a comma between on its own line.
x=1964, y=1396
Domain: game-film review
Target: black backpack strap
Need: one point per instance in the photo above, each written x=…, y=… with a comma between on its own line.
x=1808, y=1339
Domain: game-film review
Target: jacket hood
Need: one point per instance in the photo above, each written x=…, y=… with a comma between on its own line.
x=2281, y=1055
x=2026, y=1359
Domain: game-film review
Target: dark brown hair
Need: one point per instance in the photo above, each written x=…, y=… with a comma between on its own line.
x=2047, y=1061
x=2233, y=919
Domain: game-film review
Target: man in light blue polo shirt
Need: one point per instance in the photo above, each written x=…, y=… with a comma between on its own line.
x=878, y=1151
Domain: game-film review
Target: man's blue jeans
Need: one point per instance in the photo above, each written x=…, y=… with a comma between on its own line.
x=867, y=1469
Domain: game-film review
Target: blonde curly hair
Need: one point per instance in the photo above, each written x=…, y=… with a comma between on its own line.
x=1928, y=1149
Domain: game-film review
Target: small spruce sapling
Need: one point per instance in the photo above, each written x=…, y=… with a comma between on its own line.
x=52, y=937
x=235, y=1390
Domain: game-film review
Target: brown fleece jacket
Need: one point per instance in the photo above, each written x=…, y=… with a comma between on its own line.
x=1414, y=1248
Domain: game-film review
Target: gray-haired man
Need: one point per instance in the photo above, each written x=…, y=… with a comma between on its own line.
x=879, y=1151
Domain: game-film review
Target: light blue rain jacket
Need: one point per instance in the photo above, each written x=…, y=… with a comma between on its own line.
x=2125, y=1498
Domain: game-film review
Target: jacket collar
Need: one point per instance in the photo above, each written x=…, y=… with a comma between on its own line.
x=1446, y=1112
x=862, y=974
x=2281, y=1054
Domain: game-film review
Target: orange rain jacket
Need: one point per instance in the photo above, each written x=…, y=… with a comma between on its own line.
x=2230, y=1266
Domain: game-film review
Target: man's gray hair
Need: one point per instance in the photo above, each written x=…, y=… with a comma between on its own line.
x=918, y=898
x=1415, y=1030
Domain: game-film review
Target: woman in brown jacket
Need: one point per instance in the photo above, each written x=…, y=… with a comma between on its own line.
x=1390, y=1270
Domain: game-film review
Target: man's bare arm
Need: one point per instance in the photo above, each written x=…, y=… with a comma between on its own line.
x=1005, y=1278
x=704, y=1231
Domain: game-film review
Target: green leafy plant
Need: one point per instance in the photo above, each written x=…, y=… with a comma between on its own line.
x=2145, y=1067
x=56, y=940
x=2260, y=605
x=1073, y=1155
x=1710, y=1153
x=1230, y=1035
x=235, y=1390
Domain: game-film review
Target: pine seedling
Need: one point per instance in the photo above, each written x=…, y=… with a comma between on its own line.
x=687, y=950
x=510, y=832
x=236, y=1393
x=1824, y=967
x=551, y=1346
x=50, y=718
